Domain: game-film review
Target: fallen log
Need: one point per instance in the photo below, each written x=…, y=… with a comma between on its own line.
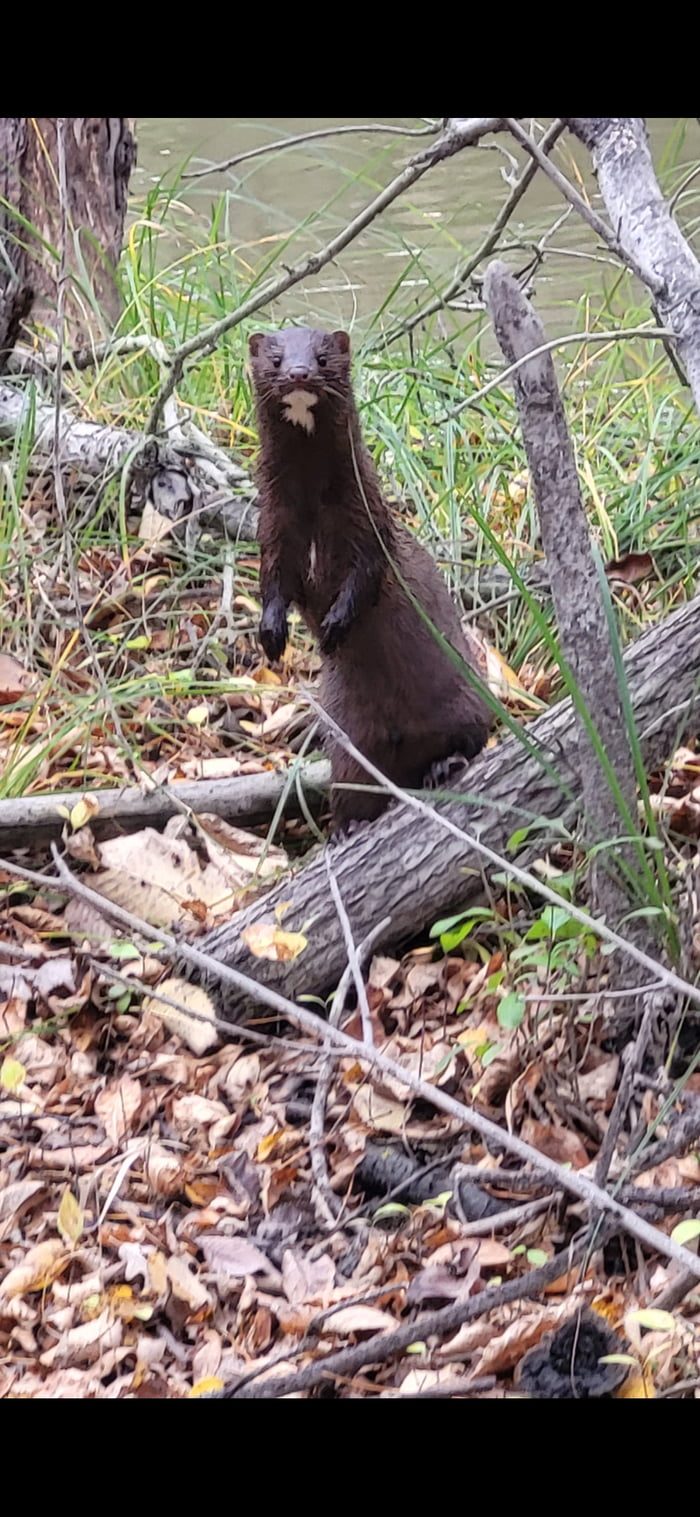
x=248, y=800
x=415, y=872
x=179, y=477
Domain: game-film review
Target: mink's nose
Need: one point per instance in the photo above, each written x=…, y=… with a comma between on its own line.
x=298, y=371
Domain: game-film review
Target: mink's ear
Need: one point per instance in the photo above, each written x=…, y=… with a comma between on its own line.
x=342, y=342
x=254, y=342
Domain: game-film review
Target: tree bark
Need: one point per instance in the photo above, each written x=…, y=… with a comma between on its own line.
x=645, y=228
x=576, y=591
x=417, y=872
x=100, y=154
x=16, y=287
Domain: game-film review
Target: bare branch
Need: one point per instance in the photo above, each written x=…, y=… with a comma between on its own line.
x=593, y=924
x=428, y=130
x=424, y=872
x=617, y=335
x=439, y=1324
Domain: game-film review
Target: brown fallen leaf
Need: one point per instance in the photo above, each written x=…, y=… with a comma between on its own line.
x=307, y=1281
x=117, y=1107
x=599, y=1082
x=86, y=1343
x=199, y=1035
x=186, y=1286
x=557, y=1142
x=14, y=680
x=40, y=1266
x=506, y=1348
x=234, y=1257
x=357, y=1319
x=378, y=1112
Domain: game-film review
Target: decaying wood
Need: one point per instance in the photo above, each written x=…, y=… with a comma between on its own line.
x=576, y=591
x=415, y=873
x=168, y=474
x=100, y=154
x=249, y=800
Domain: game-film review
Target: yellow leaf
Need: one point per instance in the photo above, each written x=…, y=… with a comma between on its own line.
x=265, y=676
x=198, y=716
x=268, y=942
x=266, y=1145
x=199, y=1035
x=70, y=1220
x=503, y=681
x=203, y=1387
x=93, y=1306
x=83, y=811
x=12, y=1075
x=638, y=1386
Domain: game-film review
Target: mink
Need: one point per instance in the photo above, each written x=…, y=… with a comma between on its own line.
x=330, y=546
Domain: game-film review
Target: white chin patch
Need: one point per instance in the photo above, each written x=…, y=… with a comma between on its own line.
x=298, y=407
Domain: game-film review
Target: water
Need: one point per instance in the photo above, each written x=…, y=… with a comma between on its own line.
x=420, y=240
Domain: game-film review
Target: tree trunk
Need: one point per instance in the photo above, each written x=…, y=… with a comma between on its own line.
x=416, y=870
x=647, y=233
x=100, y=154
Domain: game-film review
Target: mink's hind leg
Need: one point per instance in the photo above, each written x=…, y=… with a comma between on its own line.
x=442, y=773
x=350, y=807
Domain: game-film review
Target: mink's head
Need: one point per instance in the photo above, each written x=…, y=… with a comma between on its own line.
x=297, y=370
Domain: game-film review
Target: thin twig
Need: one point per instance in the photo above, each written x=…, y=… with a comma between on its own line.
x=452, y=141
x=660, y=333
x=428, y=130
x=319, y=1168
x=676, y=1291
x=512, y=1217
x=367, y=1033
x=686, y=1131
x=438, y=1324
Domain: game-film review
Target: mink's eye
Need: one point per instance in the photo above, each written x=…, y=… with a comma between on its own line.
x=322, y=360
x=276, y=362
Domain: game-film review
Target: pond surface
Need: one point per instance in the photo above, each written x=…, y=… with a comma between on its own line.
x=307, y=193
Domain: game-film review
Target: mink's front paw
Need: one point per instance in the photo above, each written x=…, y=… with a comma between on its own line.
x=273, y=630
x=443, y=774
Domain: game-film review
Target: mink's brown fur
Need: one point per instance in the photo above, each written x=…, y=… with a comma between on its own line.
x=324, y=529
